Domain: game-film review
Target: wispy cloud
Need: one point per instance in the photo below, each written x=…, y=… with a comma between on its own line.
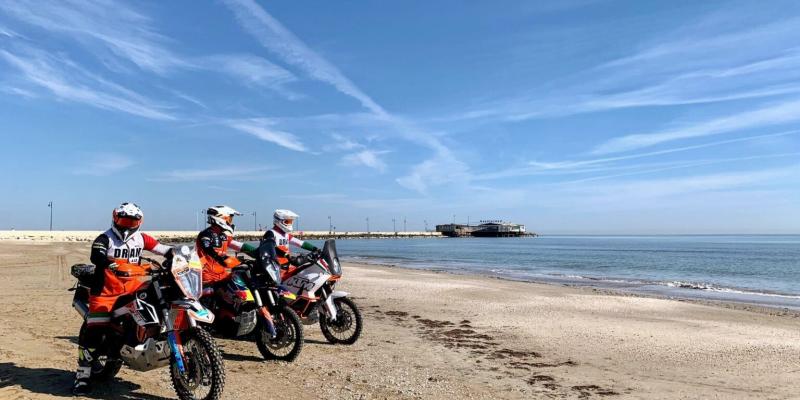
x=112, y=25
x=771, y=115
x=263, y=128
x=252, y=70
x=443, y=167
x=367, y=158
x=103, y=164
x=239, y=173
x=283, y=43
x=67, y=81
x=705, y=62
x=591, y=165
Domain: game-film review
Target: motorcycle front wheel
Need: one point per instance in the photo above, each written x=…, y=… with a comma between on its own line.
x=288, y=340
x=204, y=373
x=346, y=329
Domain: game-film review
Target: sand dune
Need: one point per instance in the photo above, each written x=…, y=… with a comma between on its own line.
x=434, y=336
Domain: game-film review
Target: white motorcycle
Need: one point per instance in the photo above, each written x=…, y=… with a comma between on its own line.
x=313, y=281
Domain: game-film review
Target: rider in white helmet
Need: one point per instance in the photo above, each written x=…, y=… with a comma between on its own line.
x=213, y=243
x=115, y=253
x=281, y=233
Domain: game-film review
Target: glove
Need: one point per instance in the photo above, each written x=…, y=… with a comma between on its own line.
x=231, y=262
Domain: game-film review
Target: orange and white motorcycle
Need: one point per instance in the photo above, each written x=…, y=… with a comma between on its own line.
x=313, y=281
x=157, y=325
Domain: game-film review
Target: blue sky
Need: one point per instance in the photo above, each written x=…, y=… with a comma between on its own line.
x=572, y=116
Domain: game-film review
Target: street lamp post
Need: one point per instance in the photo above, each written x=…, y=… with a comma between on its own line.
x=50, y=205
x=394, y=226
x=404, y=224
x=426, y=225
x=367, y=225
x=255, y=219
x=330, y=225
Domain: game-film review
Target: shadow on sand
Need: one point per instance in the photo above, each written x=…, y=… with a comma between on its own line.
x=58, y=383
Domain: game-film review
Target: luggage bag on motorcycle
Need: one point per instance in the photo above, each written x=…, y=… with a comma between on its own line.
x=84, y=273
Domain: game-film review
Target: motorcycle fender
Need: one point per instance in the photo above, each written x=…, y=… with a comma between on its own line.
x=194, y=310
x=337, y=294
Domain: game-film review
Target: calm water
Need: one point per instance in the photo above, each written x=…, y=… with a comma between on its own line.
x=755, y=269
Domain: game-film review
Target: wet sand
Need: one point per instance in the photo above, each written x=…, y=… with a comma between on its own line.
x=434, y=336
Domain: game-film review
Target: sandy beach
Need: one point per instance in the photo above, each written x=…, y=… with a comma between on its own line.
x=433, y=336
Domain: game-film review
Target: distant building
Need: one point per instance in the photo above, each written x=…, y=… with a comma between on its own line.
x=491, y=228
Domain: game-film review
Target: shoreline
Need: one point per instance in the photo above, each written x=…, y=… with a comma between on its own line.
x=597, y=286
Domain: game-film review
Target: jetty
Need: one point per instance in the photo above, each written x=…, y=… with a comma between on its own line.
x=488, y=228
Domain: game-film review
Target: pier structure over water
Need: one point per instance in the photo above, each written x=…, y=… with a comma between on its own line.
x=489, y=228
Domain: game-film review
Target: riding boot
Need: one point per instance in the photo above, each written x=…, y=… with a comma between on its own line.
x=83, y=374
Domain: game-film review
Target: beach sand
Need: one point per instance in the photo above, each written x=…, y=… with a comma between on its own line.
x=433, y=335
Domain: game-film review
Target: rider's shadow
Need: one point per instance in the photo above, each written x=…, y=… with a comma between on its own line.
x=58, y=383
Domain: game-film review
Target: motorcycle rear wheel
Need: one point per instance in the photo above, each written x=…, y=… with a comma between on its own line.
x=288, y=343
x=347, y=327
x=203, y=367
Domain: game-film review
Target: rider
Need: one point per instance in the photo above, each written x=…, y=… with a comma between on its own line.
x=214, y=241
x=281, y=235
x=115, y=254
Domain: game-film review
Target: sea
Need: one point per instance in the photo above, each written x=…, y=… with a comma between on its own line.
x=754, y=269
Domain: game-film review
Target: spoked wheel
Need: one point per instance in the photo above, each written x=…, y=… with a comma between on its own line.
x=347, y=327
x=204, y=374
x=288, y=341
x=104, y=368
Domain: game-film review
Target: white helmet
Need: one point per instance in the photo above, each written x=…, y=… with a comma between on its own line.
x=126, y=220
x=284, y=219
x=222, y=216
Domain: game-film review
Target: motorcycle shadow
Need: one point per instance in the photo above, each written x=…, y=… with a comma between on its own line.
x=58, y=383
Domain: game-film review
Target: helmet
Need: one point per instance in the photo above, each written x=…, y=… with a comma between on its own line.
x=126, y=220
x=284, y=219
x=222, y=216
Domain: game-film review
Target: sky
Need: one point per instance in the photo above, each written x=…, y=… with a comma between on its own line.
x=572, y=117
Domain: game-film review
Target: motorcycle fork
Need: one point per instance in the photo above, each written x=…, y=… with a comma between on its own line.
x=173, y=335
x=264, y=311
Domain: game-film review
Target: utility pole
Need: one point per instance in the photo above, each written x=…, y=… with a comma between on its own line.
x=367, y=225
x=50, y=205
x=330, y=225
x=394, y=226
x=255, y=219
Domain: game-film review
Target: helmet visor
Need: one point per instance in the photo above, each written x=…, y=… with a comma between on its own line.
x=288, y=221
x=128, y=222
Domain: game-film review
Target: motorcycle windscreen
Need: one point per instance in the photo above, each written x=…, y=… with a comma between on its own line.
x=331, y=257
x=266, y=260
x=188, y=275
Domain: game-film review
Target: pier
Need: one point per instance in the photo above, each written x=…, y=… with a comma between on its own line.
x=489, y=228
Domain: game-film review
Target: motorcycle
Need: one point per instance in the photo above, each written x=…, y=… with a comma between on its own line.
x=313, y=282
x=157, y=325
x=252, y=301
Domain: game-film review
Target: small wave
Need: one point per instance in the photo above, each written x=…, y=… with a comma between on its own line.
x=714, y=288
